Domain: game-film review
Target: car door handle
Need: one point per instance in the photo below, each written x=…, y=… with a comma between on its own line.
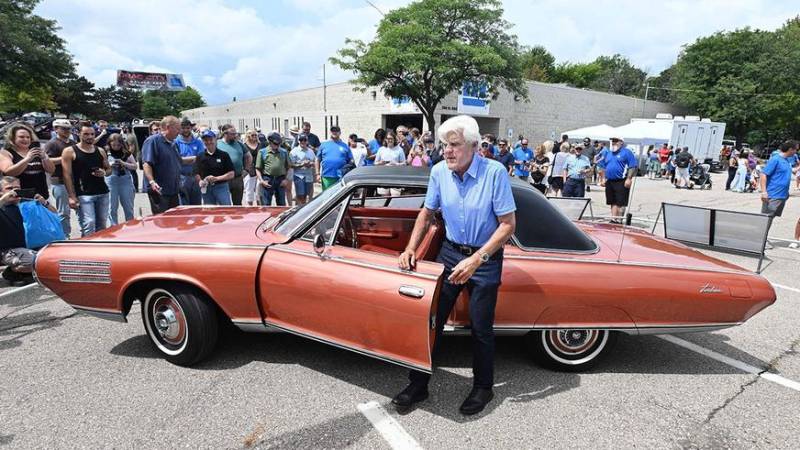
x=412, y=291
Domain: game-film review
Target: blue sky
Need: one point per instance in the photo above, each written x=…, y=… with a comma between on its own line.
x=228, y=48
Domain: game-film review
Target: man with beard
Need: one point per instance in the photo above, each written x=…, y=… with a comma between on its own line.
x=85, y=167
x=241, y=158
x=54, y=149
x=189, y=147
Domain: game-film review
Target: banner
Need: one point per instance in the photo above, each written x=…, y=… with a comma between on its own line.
x=403, y=105
x=473, y=99
x=149, y=80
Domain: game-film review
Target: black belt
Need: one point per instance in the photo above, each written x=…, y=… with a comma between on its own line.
x=467, y=250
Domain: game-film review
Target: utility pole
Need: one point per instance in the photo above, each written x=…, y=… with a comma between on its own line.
x=646, y=92
x=324, y=91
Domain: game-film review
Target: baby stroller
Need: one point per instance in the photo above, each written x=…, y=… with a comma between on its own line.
x=700, y=176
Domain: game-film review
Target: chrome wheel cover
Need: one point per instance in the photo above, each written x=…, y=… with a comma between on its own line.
x=166, y=322
x=574, y=346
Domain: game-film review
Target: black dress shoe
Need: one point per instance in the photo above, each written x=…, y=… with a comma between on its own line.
x=413, y=393
x=476, y=401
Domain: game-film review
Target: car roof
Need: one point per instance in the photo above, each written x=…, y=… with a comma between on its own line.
x=540, y=225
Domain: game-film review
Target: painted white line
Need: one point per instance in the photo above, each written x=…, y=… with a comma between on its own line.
x=780, y=286
x=390, y=429
x=19, y=289
x=743, y=366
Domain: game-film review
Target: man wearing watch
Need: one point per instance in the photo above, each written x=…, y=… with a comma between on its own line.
x=474, y=196
x=162, y=166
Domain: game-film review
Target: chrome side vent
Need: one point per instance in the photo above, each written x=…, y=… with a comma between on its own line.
x=75, y=271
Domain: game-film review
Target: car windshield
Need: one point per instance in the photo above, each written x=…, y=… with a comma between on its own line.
x=299, y=215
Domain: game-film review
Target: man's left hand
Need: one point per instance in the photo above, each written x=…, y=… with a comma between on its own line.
x=464, y=270
x=628, y=182
x=40, y=199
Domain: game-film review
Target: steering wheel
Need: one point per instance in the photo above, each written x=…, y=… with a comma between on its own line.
x=347, y=232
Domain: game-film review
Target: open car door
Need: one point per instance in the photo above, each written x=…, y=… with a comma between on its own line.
x=351, y=298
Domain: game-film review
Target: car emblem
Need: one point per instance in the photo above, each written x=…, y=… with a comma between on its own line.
x=710, y=289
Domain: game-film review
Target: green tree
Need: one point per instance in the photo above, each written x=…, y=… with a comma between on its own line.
x=660, y=86
x=780, y=68
x=188, y=98
x=75, y=95
x=538, y=64
x=155, y=105
x=32, y=56
x=617, y=75
x=580, y=75
x=428, y=49
x=723, y=77
x=128, y=105
x=29, y=98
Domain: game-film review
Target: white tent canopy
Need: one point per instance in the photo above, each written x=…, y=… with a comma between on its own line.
x=596, y=133
x=645, y=132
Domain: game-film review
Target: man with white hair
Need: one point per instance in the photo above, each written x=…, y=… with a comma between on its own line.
x=474, y=197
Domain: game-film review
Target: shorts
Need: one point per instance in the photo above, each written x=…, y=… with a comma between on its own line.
x=682, y=173
x=616, y=192
x=557, y=183
x=773, y=207
x=303, y=186
x=18, y=259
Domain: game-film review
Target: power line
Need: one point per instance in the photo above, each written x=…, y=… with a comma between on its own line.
x=376, y=8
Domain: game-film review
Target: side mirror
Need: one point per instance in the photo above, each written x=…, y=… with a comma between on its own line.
x=319, y=245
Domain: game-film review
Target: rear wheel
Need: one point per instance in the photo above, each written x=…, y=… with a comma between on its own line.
x=570, y=350
x=181, y=322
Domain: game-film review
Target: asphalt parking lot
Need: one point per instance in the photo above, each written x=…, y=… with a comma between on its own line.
x=71, y=380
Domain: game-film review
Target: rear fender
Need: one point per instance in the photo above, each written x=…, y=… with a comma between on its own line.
x=584, y=317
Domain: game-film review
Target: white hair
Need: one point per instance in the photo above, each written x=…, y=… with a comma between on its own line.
x=465, y=126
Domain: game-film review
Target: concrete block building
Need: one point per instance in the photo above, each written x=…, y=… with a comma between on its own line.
x=549, y=110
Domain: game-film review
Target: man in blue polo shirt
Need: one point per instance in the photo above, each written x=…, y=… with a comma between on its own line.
x=776, y=178
x=620, y=167
x=331, y=157
x=189, y=147
x=162, y=165
x=477, y=206
x=522, y=158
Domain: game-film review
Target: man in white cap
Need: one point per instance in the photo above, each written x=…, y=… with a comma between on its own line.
x=54, y=148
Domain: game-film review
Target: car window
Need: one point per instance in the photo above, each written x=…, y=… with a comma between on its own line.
x=325, y=226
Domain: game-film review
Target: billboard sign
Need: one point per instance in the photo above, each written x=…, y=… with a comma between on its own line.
x=403, y=105
x=474, y=99
x=150, y=80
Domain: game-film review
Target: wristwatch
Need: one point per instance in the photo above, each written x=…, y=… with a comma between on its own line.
x=484, y=257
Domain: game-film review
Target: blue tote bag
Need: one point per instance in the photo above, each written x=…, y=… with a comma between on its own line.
x=41, y=225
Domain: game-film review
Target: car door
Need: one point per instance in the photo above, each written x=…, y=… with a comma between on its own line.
x=351, y=298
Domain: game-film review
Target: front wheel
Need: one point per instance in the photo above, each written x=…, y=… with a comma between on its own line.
x=181, y=322
x=571, y=350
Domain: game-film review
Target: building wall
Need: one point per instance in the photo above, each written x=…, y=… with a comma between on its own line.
x=550, y=109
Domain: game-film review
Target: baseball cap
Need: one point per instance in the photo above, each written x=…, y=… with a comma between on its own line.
x=186, y=122
x=275, y=138
x=336, y=129
x=62, y=123
x=615, y=139
x=209, y=134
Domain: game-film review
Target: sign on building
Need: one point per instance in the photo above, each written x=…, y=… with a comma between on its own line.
x=403, y=105
x=150, y=80
x=474, y=99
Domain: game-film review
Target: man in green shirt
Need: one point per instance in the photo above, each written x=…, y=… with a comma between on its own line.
x=241, y=158
x=272, y=164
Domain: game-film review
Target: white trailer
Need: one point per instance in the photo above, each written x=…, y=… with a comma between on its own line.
x=702, y=136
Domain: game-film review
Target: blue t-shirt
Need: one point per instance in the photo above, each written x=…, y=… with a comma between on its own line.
x=373, y=145
x=192, y=148
x=522, y=154
x=163, y=156
x=333, y=155
x=779, y=176
x=236, y=151
x=470, y=206
x=617, y=163
x=506, y=160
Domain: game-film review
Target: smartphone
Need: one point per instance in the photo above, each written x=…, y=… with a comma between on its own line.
x=35, y=144
x=28, y=193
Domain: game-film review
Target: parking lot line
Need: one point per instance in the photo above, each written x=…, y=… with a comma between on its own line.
x=743, y=366
x=19, y=289
x=780, y=286
x=390, y=429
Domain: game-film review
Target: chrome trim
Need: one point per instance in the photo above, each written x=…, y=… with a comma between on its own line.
x=83, y=279
x=253, y=326
x=158, y=244
x=674, y=329
x=516, y=330
x=596, y=249
x=397, y=270
x=625, y=263
x=411, y=291
x=369, y=353
x=101, y=313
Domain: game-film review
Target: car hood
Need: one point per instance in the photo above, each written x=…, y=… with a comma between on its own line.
x=197, y=224
x=645, y=248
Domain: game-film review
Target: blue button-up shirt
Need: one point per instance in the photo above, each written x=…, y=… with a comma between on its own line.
x=164, y=158
x=524, y=155
x=575, y=166
x=470, y=205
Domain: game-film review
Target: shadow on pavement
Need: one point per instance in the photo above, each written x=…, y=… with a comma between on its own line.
x=14, y=328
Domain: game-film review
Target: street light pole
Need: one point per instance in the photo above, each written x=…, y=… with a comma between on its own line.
x=646, y=92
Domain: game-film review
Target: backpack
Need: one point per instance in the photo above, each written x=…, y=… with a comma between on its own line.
x=682, y=160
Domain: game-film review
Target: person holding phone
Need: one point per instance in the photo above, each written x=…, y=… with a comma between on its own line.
x=25, y=159
x=85, y=167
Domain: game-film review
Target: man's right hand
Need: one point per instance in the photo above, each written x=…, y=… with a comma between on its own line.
x=408, y=260
x=73, y=203
x=764, y=197
x=8, y=198
x=155, y=187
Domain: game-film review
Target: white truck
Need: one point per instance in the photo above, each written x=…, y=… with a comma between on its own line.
x=702, y=136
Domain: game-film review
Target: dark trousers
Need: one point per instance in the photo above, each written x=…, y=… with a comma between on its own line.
x=482, y=288
x=574, y=188
x=190, y=191
x=160, y=203
x=236, y=186
x=275, y=189
x=731, y=175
